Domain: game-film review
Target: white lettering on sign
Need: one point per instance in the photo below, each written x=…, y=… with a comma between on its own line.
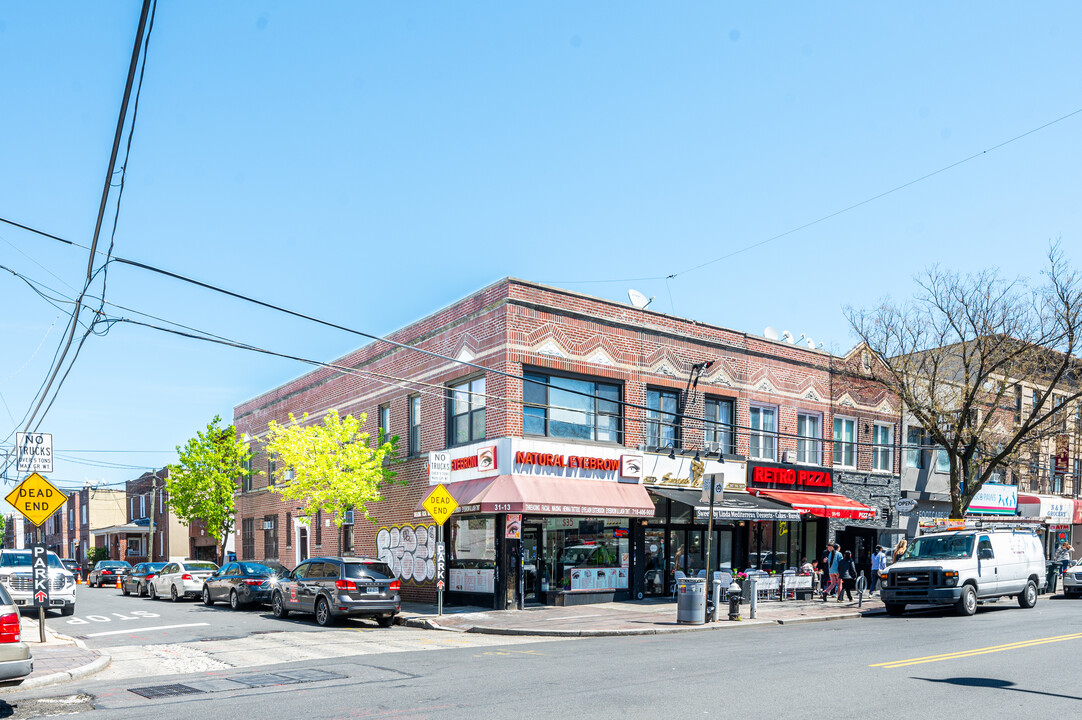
x=34, y=452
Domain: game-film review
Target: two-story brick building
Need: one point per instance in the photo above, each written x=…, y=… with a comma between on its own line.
x=578, y=431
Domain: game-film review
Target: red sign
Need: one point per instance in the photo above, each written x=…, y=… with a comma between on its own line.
x=583, y=462
x=789, y=477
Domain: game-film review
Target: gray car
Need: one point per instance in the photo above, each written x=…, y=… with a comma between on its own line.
x=333, y=587
x=15, y=660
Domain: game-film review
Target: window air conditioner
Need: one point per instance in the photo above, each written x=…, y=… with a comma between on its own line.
x=789, y=456
x=268, y=524
x=287, y=475
x=348, y=518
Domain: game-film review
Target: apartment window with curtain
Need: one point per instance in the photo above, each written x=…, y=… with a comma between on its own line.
x=662, y=425
x=914, y=453
x=466, y=411
x=809, y=445
x=845, y=435
x=762, y=438
x=574, y=408
x=414, y=424
x=882, y=447
x=385, y=421
x=719, y=425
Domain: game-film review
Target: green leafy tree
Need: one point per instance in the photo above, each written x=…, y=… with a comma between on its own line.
x=202, y=484
x=334, y=466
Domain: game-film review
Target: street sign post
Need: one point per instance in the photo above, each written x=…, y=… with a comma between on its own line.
x=39, y=562
x=36, y=498
x=34, y=452
x=440, y=504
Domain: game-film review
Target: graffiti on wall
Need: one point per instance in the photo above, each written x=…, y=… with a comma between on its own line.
x=409, y=550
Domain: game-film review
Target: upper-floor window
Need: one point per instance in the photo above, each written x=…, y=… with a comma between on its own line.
x=883, y=447
x=415, y=424
x=467, y=412
x=914, y=443
x=718, y=430
x=809, y=446
x=845, y=435
x=272, y=467
x=385, y=422
x=82, y=513
x=557, y=406
x=142, y=506
x=662, y=425
x=246, y=479
x=942, y=461
x=762, y=438
x=1018, y=403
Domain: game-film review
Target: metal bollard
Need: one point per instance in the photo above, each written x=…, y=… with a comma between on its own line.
x=754, y=596
x=715, y=598
x=862, y=584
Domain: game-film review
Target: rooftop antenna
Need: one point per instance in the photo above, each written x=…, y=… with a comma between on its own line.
x=811, y=343
x=638, y=299
x=770, y=333
x=787, y=336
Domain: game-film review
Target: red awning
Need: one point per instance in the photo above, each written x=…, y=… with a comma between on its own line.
x=827, y=505
x=539, y=495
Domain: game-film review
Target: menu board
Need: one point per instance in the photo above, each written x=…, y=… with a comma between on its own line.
x=598, y=578
x=471, y=581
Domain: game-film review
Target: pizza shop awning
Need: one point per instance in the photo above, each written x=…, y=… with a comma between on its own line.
x=540, y=495
x=730, y=506
x=826, y=505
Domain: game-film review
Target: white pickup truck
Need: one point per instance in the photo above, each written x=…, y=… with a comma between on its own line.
x=963, y=567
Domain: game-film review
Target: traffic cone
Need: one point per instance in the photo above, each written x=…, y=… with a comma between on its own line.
x=78, y=578
x=117, y=582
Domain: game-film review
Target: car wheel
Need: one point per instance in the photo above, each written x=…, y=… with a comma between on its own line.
x=140, y=590
x=323, y=613
x=152, y=592
x=967, y=603
x=1028, y=597
x=68, y=610
x=894, y=610
x=278, y=607
x=206, y=596
x=234, y=600
x=124, y=589
x=173, y=593
x=385, y=622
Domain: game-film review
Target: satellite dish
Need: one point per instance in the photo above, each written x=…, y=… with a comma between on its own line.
x=638, y=299
x=787, y=336
x=811, y=343
x=770, y=333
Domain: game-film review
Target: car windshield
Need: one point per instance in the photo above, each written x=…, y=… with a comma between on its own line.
x=370, y=569
x=19, y=559
x=105, y=564
x=940, y=546
x=200, y=566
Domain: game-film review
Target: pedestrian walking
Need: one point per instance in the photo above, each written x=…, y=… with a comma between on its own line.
x=847, y=574
x=835, y=579
x=823, y=576
x=899, y=550
x=879, y=564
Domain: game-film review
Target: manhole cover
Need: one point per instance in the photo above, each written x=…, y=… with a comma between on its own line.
x=310, y=675
x=153, y=692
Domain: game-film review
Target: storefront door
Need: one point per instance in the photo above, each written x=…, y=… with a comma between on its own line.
x=531, y=564
x=655, y=576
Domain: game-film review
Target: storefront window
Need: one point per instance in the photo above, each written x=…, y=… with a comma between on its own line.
x=585, y=554
x=471, y=554
x=661, y=510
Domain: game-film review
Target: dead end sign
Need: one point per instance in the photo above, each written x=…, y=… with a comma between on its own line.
x=36, y=498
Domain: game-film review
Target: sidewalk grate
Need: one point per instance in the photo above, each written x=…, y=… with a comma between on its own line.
x=303, y=675
x=265, y=679
x=153, y=692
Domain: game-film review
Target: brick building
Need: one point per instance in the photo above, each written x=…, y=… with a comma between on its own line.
x=144, y=529
x=585, y=427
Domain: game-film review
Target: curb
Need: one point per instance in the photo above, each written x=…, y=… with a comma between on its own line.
x=94, y=666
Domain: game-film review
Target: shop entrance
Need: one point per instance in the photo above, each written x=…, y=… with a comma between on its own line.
x=531, y=564
x=861, y=541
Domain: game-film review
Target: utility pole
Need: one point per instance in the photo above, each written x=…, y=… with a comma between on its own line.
x=150, y=540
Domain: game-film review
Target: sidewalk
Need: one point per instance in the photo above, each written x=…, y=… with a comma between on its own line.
x=58, y=660
x=643, y=617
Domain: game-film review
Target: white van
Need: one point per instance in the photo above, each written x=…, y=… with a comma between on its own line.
x=961, y=567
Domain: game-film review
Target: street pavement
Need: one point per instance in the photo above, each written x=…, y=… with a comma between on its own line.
x=1002, y=662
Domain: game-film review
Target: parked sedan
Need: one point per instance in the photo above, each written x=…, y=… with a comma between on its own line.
x=180, y=579
x=334, y=587
x=105, y=573
x=134, y=580
x=15, y=660
x=242, y=583
x=1072, y=580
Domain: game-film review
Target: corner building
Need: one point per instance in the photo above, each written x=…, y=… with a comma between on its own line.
x=577, y=454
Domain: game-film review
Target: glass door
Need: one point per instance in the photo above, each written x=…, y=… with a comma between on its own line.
x=655, y=563
x=531, y=564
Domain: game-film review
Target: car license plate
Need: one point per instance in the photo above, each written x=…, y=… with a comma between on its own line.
x=371, y=589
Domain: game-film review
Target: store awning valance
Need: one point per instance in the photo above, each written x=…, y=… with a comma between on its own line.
x=1051, y=509
x=731, y=506
x=540, y=495
x=827, y=505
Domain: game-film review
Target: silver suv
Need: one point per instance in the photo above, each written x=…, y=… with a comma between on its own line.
x=18, y=578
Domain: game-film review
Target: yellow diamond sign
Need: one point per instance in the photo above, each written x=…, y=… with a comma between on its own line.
x=440, y=504
x=36, y=498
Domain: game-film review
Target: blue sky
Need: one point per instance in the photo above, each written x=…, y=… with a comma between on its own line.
x=370, y=163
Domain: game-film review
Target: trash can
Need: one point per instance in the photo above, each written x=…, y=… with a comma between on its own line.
x=691, y=600
x=1053, y=576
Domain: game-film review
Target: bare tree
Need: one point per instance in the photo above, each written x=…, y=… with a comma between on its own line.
x=957, y=355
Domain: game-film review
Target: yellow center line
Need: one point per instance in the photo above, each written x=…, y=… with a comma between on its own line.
x=979, y=651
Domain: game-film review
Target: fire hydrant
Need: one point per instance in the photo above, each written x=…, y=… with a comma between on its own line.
x=735, y=598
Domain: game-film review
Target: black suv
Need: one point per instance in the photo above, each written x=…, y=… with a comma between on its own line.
x=332, y=587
